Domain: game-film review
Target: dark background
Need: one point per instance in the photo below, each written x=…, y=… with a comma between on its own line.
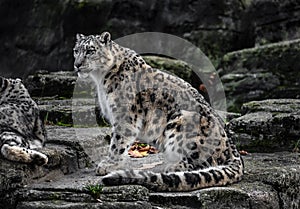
x=40, y=34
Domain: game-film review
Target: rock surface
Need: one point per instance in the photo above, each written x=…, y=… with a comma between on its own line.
x=273, y=21
x=56, y=85
x=69, y=182
x=269, y=71
x=268, y=126
x=68, y=112
x=40, y=34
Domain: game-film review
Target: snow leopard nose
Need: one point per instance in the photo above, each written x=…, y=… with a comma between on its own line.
x=77, y=64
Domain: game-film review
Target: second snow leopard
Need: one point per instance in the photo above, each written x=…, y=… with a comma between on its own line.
x=21, y=129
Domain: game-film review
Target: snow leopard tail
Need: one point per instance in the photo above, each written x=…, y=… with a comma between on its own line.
x=179, y=181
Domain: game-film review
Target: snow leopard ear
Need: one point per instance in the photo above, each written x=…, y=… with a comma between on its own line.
x=105, y=38
x=1, y=81
x=79, y=36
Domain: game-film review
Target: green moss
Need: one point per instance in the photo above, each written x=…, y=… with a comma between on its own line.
x=80, y=4
x=62, y=98
x=246, y=3
x=251, y=106
x=64, y=124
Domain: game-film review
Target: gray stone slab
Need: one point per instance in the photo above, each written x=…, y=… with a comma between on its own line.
x=270, y=181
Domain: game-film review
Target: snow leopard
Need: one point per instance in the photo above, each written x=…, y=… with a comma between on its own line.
x=149, y=105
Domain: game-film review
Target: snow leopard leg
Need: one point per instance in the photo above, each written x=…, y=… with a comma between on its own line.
x=118, y=150
x=15, y=148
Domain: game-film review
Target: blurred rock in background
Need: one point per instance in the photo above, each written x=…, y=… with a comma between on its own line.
x=40, y=34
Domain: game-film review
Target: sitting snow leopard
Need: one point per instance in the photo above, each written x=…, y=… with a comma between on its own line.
x=154, y=107
x=21, y=129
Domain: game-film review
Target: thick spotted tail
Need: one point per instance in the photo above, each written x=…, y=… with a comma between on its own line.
x=179, y=181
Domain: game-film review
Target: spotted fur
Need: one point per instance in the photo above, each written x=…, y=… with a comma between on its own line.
x=155, y=107
x=21, y=129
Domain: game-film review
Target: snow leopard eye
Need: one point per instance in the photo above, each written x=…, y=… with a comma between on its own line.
x=76, y=51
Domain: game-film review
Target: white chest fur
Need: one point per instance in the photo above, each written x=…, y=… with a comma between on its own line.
x=104, y=103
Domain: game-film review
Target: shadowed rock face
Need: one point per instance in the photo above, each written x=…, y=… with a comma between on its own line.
x=40, y=34
x=269, y=71
x=268, y=126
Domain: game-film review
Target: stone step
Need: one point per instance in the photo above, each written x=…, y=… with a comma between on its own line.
x=264, y=72
x=93, y=205
x=55, y=84
x=259, y=189
x=261, y=128
x=82, y=112
x=66, y=151
x=69, y=181
x=68, y=112
x=268, y=126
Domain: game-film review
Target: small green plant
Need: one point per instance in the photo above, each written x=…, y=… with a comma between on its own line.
x=54, y=196
x=94, y=190
x=46, y=118
x=297, y=148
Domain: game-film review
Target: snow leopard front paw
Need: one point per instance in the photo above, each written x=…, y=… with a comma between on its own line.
x=38, y=158
x=105, y=167
x=24, y=155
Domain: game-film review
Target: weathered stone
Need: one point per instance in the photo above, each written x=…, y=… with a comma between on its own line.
x=205, y=198
x=38, y=36
x=263, y=128
x=260, y=195
x=41, y=34
x=71, y=205
x=281, y=171
x=270, y=180
x=275, y=106
x=64, y=153
x=56, y=84
x=273, y=21
x=176, y=67
x=63, y=158
x=28, y=195
x=67, y=159
x=266, y=72
x=94, y=141
x=67, y=112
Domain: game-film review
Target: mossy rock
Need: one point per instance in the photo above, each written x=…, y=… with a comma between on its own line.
x=44, y=84
x=65, y=113
x=176, y=67
x=265, y=72
x=268, y=126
